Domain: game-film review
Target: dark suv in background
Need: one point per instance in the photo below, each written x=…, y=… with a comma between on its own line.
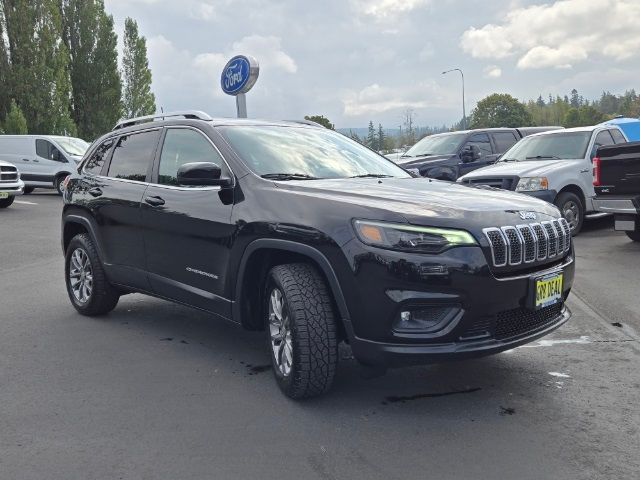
x=447, y=156
x=299, y=231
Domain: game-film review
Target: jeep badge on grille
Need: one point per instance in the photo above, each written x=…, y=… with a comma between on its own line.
x=527, y=215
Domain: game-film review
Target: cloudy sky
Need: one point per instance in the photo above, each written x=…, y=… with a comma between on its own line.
x=356, y=60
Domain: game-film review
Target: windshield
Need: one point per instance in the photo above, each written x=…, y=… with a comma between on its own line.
x=564, y=145
x=72, y=146
x=441, y=144
x=291, y=153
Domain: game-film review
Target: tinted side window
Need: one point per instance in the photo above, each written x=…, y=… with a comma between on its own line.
x=182, y=145
x=132, y=155
x=481, y=140
x=617, y=136
x=95, y=163
x=46, y=149
x=604, y=138
x=504, y=141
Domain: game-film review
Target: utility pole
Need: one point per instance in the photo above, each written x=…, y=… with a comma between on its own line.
x=464, y=113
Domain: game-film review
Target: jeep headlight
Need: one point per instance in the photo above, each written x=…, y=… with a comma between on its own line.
x=411, y=238
x=531, y=184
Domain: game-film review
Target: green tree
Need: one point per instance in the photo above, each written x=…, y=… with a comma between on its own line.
x=38, y=64
x=4, y=69
x=322, y=120
x=15, y=123
x=500, y=110
x=137, y=96
x=95, y=80
x=381, y=137
x=372, y=140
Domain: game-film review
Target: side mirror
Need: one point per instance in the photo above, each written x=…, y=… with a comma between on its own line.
x=470, y=153
x=202, y=174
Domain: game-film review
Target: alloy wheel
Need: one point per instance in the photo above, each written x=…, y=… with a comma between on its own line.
x=280, y=332
x=80, y=275
x=571, y=213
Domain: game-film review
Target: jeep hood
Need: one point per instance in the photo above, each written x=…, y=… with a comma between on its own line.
x=422, y=201
x=533, y=168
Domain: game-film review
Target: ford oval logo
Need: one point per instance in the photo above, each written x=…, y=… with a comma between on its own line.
x=527, y=215
x=239, y=75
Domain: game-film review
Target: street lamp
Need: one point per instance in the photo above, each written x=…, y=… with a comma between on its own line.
x=464, y=114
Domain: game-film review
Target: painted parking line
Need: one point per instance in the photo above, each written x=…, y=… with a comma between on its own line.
x=25, y=203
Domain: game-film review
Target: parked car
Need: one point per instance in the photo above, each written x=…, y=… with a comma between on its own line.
x=616, y=178
x=554, y=166
x=447, y=156
x=303, y=233
x=43, y=160
x=10, y=184
x=630, y=127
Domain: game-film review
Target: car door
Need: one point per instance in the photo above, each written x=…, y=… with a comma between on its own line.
x=187, y=230
x=46, y=163
x=487, y=155
x=117, y=196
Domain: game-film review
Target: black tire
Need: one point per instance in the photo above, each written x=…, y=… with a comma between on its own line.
x=6, y=202
x=57, y=183
x=28, y=190
x=103, y=297
x=311, y=329
x=572, y=210
x=635, y=236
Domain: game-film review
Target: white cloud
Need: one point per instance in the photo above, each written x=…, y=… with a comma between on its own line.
x=375, y=99
x=492, y=71
x=560, y=34
x=382, y=9
x=267, y=50
x=426, y=53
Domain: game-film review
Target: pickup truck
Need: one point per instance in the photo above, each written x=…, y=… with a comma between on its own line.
x=447, y=156
x=553, y=166
x=616, y=179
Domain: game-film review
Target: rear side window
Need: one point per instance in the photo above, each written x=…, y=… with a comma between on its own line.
x=46, y=149
x=504, y=141
x=617, y=136
x=183, y=145
x=132, y=155
x=96, y=161
x=604, y=138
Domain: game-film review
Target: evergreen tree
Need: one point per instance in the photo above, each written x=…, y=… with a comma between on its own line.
x=540, y=101
x=381, y=137
x=15, y=123
x=137, y=96
x=322, y=120
x=372, y=141
x=39, y=80
x=95, y=80
x=4, y=69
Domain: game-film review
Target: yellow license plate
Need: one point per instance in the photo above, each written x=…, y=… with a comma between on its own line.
x=548, y=290
x=4, y=195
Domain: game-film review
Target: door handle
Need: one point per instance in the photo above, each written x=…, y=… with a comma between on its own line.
x=154, y=201
x=585, y=170
x=36, y=161
x=25, y=159
x=95, y=192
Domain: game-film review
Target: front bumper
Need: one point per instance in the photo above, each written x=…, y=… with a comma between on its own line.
x=13, y=188
x=546, y=195
x=483, y=311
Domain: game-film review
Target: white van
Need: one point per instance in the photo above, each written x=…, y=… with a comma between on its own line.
x=43, y=160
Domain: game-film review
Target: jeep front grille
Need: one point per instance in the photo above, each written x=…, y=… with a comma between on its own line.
x=8, y=174
x=513, y=245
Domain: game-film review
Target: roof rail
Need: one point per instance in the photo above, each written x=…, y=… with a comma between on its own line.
x=306, y=122
x=190, y=114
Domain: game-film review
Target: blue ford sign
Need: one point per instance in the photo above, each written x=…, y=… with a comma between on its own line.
x=239, y=75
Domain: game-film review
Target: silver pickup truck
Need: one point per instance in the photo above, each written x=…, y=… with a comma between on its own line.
x=10, y=184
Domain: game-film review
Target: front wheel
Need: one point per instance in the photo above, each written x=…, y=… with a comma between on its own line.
x=301, y=330
x=57, y=183
x=572, y=210
x=28, y=190
x=6, y=202
x=87, y=286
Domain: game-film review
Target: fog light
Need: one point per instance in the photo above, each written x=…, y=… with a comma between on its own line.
x=425, y=319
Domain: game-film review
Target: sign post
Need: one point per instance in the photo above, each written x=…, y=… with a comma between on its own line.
x=238, y=77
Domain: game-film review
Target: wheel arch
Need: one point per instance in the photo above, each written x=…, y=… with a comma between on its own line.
x=263, y=254
x=575, y=189
x=75, y=223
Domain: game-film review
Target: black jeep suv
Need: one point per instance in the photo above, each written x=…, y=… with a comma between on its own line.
x=299, y=231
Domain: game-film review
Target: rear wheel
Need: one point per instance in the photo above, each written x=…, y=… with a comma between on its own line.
x=301, y=330
x=57, y=183
x=572, y=210
x=6, y=202
x=87, y=286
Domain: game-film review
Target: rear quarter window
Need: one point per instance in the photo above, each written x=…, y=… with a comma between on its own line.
x=617, y=136
x=132, y=155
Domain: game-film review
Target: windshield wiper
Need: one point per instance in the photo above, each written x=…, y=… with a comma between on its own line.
x=507, y=160
x=405, y=156
x=289, y=176
x=542, y=157
x=372, y=175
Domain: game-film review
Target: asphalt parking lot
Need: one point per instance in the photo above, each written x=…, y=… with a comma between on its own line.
x=158, y=391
